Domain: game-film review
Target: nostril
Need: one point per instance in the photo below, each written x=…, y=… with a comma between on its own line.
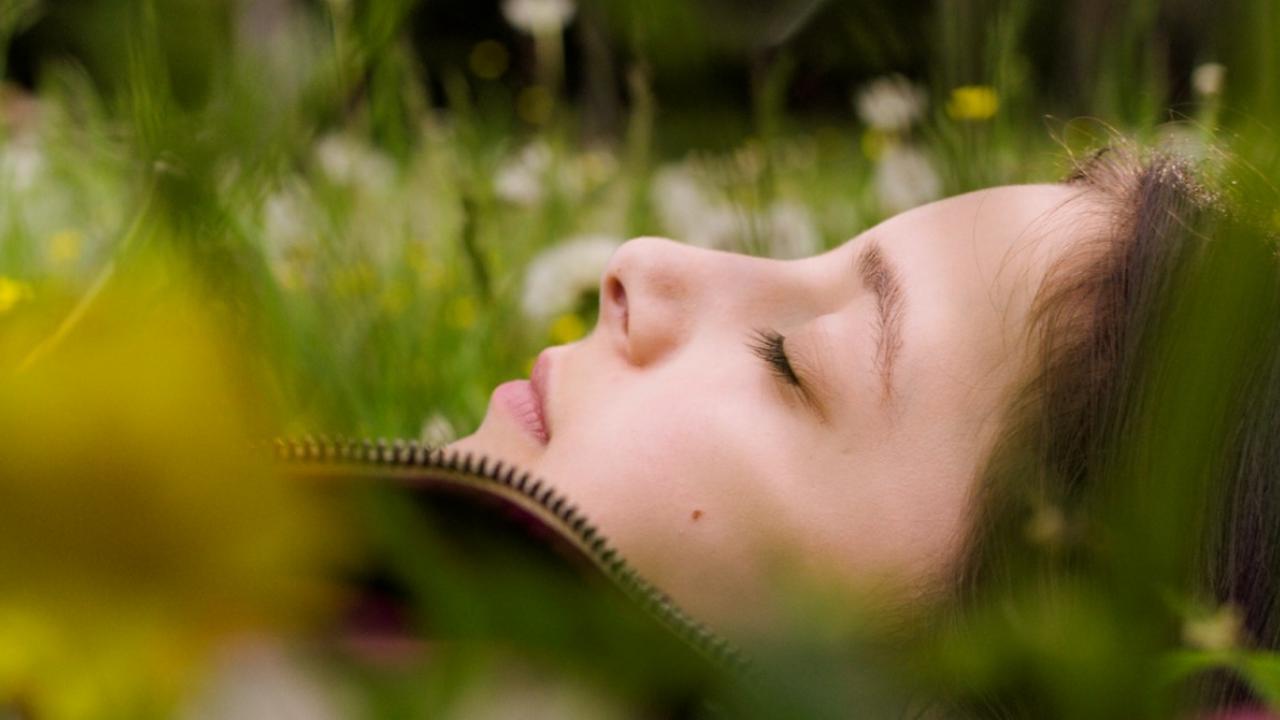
x=617, y=297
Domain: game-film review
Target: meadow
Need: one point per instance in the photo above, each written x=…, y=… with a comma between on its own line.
x=219, y=225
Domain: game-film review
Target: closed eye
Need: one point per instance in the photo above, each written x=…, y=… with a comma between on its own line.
x=769, y=346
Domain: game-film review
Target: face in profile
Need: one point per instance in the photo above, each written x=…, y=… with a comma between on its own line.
x=734, y=417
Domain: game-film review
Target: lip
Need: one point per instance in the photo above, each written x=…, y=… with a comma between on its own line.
x=525, y=400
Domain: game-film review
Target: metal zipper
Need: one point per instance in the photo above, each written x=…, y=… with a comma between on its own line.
x=407, y=460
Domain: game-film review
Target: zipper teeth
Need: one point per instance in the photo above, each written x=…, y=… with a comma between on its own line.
x=402, y=454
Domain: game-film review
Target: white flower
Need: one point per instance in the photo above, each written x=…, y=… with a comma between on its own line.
x=686, y=211
x=537, y=17
x=288, y=237
x=690, y=214
x=891, y=103
x=1183, y=139
x=677, y=197
x=558, y=277
x=437, y=431
x=21, y=164
x=1208, y=78
x=791, y=231
x=1219, y=631
x=904, y=178
x=260, y=681
x=347, y=161
x=521, y=180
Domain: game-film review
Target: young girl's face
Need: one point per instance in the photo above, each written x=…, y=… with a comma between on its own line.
x=732, y=416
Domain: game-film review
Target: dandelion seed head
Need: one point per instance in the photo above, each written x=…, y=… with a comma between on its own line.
x=437, y=431
x=538, y=17
x=521, y=180
x=891, y=103
x=791, y=231
x=559, y=276
x=1208, y=79
x=905, y=178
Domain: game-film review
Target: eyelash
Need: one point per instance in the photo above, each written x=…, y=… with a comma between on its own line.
x=768, y=345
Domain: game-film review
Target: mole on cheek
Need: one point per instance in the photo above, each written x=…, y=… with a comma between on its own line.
x=697, y=514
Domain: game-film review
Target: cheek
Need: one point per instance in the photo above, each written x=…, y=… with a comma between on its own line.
x=675, y=467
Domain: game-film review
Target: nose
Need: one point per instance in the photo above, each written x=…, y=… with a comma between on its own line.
x=648, y=297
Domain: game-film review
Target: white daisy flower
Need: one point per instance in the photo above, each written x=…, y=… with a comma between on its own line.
x=891, y=103
x=538, y=17
x=288, y=237
x=437, y=431
x=521, y=180
x=259, y=680
x=21, y=163
x=791, y=231
x=347, y=161
x=558, y=277
x=1208, y=78
x=905, y=178
x=690, y=214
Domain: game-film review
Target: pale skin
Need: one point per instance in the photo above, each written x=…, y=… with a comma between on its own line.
x=711, y=471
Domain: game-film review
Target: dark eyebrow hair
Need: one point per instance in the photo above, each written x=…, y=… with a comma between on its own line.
x=881, y=277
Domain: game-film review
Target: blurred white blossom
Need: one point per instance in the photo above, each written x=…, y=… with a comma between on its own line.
x=689, y=214
x=538, y=17
x=791, y=233
x=1208, y=78
x=905, y=178
x=437, y=431
x=1219, y=631
x=521, y=179
x=261, y=681
x=558, y=277
x=348, y=161
x=785, y=229
x=288, y=237
x=891, y=103
x=21, y=163
x=1184, y=139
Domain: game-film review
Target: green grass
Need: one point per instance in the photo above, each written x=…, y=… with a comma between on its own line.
x=333, y=207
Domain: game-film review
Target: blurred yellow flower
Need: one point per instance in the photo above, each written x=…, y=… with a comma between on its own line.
x=12, y=292
x=140, y=531
x=64, y=247
x=567, y=328
x=973, y=102
x=462, y=313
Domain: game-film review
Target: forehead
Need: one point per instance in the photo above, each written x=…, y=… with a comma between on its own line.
x=971, y=266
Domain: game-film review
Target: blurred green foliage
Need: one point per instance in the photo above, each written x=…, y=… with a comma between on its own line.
x=221, y=220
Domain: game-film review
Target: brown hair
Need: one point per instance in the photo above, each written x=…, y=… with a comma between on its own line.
x=1093, y=436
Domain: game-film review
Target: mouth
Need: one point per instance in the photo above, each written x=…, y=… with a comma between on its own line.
x=525, y=400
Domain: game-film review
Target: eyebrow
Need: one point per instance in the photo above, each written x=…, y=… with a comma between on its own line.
x=880, y=275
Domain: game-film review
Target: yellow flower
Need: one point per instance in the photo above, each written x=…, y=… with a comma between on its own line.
x=12, y=292
x=567, y=328
x=462, y=313
x=140, y=530
x=64, y=247
x=973, y=102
